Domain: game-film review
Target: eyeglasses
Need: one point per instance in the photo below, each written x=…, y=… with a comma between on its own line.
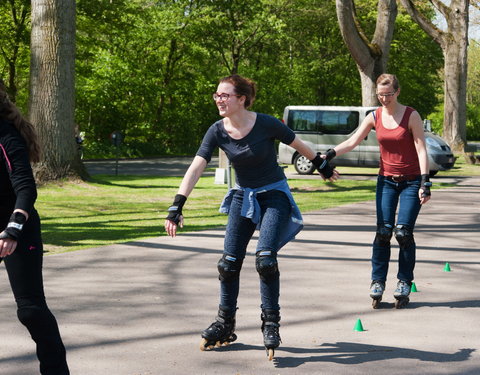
x=387, y=95
x=223, y=97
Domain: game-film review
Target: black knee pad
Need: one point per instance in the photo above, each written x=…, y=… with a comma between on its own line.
x=404, y=235
x=267, y=265
x=30, y=316
x=229, y=268
x=384, y=234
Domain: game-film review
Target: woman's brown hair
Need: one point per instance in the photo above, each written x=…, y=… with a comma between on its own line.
x=243, y=86
x=10, y=112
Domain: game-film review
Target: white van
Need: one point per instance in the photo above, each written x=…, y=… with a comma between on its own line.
x=324, y=127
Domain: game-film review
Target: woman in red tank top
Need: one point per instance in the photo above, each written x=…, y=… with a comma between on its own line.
x=403, y=183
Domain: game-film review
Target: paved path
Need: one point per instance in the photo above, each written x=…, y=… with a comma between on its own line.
x=137, y=308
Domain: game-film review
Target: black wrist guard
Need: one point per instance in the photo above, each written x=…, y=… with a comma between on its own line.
x=14, y=226
x=425, y=184
x=322, y=166
x=330, y=154
x=175, y=210
x=317, y=161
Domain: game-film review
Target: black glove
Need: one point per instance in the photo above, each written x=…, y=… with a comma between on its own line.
x=425, y=184
x=330, y=154
x=323, y=166
x=175, y=210
x=14, y=226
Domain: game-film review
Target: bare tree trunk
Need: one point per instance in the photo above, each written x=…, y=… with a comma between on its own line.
x=454, y=44
x=52, y=88
x=371, y=57
x=455, y=102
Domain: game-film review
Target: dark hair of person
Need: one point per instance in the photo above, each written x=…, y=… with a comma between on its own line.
x=10, y=112
x=387, y=80
x=243, y=86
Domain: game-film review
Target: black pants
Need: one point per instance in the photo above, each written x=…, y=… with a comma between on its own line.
x=24, y=269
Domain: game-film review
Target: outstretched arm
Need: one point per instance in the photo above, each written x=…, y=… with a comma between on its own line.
x=189, y=181
x=192, y=176
x=311, y=155
x=367, y=124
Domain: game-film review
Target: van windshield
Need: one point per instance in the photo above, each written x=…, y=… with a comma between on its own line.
x=323, y=121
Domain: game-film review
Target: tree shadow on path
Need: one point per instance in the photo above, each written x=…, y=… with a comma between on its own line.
x=348, y=353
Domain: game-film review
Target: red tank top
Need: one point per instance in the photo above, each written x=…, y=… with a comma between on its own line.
x=398, y=155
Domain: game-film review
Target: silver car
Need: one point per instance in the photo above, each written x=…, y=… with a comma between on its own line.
x=324, y=127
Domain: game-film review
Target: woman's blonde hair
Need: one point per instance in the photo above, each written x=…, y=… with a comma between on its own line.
x=387, y=80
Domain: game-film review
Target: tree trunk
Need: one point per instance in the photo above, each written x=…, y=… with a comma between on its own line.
x=371, y=57
x=52, y=89
x=455, y=102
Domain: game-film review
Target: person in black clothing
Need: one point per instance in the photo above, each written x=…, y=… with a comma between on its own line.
x=21, y=247
x=261, y=198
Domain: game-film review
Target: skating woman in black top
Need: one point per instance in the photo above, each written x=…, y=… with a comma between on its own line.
x=261, y=198
x=21, y=245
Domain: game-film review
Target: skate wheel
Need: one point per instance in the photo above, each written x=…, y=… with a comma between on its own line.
x=271, y=353
x=203, y=345
x=401, y=303
x=376, y=303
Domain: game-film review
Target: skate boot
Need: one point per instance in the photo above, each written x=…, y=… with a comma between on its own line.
x=220, y=332
x=402, y=294
x=270, y=330
x=377, y=287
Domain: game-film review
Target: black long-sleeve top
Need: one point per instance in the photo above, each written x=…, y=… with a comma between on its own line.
x=253, y=157
x=17, y=184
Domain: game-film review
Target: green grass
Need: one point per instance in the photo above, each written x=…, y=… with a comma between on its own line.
x=116, y=209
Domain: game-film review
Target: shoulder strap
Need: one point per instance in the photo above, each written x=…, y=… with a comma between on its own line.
x=7, y=160
x=376, y=114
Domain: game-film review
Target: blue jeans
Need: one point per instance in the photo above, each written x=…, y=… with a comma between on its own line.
x=389, y=195
x=275, y=215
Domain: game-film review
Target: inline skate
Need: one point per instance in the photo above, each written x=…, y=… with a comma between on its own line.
x=220, y=332
x=377, y=287
x=270, y=330
x=402, y=294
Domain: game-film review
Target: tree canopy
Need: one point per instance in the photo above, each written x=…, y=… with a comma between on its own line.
x=148, y=68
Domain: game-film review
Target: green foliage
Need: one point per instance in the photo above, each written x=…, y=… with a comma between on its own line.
x=14, y=48
x=473, y=91
x=473, y=122
x=436, y=119
x=416, y=60
x=473, y=83
x=147, y=69
x=473, y=97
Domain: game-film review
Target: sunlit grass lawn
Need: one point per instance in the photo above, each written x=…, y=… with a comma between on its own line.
x=116, y=209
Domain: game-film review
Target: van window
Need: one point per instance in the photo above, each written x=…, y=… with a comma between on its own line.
x=339, y=122
x=303, y=121
x=324, y=122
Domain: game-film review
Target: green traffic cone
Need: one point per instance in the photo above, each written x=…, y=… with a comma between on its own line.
x=358, y=326
x=413, y=288
x=447, y=267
